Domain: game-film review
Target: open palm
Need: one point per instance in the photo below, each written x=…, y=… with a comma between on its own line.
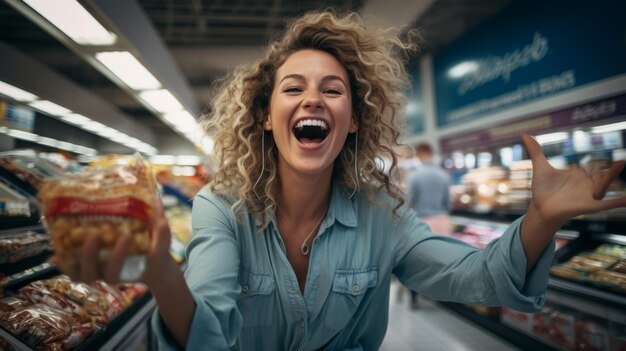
x=560, y=195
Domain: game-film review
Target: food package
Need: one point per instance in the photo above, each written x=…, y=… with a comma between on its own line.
x=106, y=202
x=18, y=246
x=41, y=295
x=96, y=307
x=44, y=327
x=131, y=291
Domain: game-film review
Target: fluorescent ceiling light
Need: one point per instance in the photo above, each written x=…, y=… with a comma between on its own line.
x=462, y=69
x=47, y=141
x=207, y=145
x=93, y=126
x=71, y=18
x=20, y=134
x=551, y=137
x=127, y=68
x=163, y=159
x=107, y=132
x=183, y=171
x=75, y=119
x=182, y=121
x=50, y=108
x=16, y=93
x=187, y=160
x=120, y=138
x=161, y=100
x=65, y=146
x=609, y=127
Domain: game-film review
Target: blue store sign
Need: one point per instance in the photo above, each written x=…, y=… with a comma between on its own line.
x=531, y=50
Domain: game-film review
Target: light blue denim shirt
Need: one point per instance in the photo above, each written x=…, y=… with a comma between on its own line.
x=247, y=295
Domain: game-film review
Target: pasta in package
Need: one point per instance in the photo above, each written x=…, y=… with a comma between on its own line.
x=107, y=202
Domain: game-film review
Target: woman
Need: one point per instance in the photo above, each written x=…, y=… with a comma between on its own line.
x=299, y=231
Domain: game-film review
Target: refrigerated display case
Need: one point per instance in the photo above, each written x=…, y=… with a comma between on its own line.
x=586, y=298
x=26, y=290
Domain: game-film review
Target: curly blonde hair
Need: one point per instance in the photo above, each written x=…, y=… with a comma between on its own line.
x=378, y=80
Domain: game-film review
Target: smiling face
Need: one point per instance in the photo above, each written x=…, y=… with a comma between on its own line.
x=310, y=112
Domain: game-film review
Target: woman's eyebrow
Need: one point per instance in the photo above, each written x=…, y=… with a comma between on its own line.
x=301, y=77
x=294, y=76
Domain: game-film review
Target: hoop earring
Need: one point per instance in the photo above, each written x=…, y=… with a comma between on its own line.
x=356, y=174
x=262, y=164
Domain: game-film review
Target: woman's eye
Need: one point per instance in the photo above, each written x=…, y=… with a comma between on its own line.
x=332, y=92
x=292, y=90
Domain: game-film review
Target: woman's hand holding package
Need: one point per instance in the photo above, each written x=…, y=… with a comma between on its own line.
x=94, y=266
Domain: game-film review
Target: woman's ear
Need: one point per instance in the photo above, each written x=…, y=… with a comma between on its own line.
x=267, y=124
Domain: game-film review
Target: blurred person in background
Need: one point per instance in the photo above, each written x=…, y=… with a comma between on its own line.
x=428, y=193
x=297, y=235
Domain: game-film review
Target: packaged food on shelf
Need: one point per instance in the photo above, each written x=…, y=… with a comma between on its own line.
x=601, y=267
x=591, y=334
x=18, y=246
x=96, y=306
x=68, y=311
x=519, y=320
x=12, y=203
x=28, y=180
x=106, y=202
x=45, y=328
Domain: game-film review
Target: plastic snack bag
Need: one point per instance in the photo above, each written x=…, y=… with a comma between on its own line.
x=106, y=202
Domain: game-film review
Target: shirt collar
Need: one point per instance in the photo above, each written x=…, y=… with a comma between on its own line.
x=342, y=206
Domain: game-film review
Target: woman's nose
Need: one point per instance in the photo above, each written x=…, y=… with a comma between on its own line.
x=312, y=100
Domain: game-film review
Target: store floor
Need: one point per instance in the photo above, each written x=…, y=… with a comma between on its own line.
x=434, y=328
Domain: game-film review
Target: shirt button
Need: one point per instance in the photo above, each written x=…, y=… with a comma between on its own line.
x=355, y=287
x=302, y=323
x=244, y=289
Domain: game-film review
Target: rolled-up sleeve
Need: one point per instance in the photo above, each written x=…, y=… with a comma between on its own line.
x=448, y=269
x=212, y=276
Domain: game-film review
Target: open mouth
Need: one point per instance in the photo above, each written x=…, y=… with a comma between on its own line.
x=311, y=131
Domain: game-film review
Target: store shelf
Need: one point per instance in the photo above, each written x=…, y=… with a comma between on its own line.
x=125, y=332
x=587, y=292
x=512, y=335
x=131, y=322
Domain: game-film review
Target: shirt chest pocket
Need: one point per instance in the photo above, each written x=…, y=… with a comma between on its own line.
x=349, y=288
x=256, y=302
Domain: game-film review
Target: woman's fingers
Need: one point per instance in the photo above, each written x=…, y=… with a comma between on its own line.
x=534, y=151
x=161, y=236
x=116, y=260
x=88, y=259
x=603, y=182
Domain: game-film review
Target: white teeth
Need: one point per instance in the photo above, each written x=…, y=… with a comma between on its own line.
x=312, y=122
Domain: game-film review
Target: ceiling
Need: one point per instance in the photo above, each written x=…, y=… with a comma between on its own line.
x=207, y=38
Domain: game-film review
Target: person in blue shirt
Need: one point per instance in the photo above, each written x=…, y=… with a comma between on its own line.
x=299, y=231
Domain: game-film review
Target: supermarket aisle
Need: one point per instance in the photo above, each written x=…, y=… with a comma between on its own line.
x=432, y=328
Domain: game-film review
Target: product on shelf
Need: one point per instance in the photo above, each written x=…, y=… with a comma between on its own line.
x=179, y=219
x=601, y=267
x=12, y=203
x=30, y=181
x=106, y=202
x=44, y=327
x=591, y=334
x=59, y=314
x=96, y=306
x=18, y=246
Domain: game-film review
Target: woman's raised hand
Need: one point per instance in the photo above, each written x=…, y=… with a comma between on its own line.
x=559, y=195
